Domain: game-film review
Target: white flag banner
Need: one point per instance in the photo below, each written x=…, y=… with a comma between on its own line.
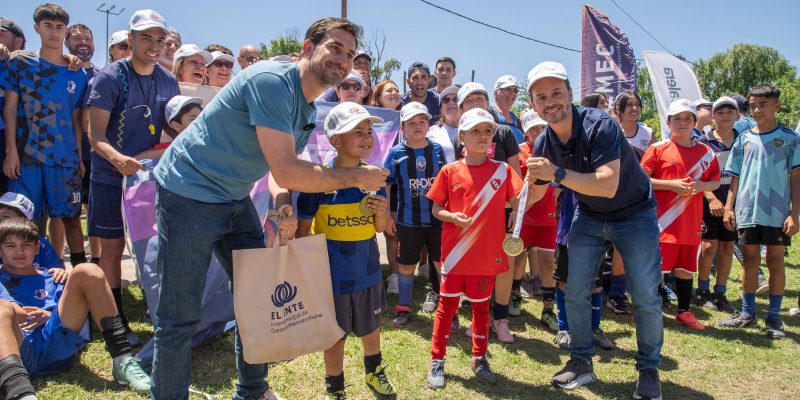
x=672, y=79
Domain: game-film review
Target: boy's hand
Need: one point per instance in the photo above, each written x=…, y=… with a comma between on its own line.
x=512, y=220
x=377, y=203
x=790, y=226
x=684, y=187
x=391, y=228
x=461, y=219
x=11, y=165
x=729, y=220
x=60, y=275
x=36, y=318
x=371, y=178
x=126, y=165
x=287, y=224
x=716, y=207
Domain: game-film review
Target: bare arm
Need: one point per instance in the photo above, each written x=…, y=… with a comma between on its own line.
x=11, y=165
x=729, y=216
x=513, y=161
x=457, y=218
x=280, y=196
x=98, y=123
x=790, y=226
x=603, y=182
x=303, y=227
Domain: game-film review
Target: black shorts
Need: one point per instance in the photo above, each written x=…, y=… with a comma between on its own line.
x=561, y=272
x=87, y=166
x=360, y=312
x=410, y=241
x=714, y=229
x=763, y=235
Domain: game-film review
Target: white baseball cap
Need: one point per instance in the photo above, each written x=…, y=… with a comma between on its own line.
x=702, y=102
x=118, y=37
x=345, y=117
x=547, y=69
x=18, y=201
x=468, y=89
x=178, y=103
x=355, y=76
x=189, y=50
x=143, y=20
x=448, y=91
x=679, y=106
x=474, y=117
x=725, y=100
x=505, y=81
x=532, y=119
x=412, y=109
x=218, y=55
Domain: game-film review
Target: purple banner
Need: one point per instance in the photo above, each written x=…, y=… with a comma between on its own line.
x=608, y=63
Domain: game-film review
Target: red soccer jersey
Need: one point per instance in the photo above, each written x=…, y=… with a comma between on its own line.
x=524, y=154
x=543, y=212
x=481, y=192
x=680, y=217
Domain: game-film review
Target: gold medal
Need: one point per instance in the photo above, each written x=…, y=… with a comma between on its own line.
x=513, y=245
x=364, y=208
x=152, y=129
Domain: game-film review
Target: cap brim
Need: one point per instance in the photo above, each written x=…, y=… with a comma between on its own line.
x=149, y=26
x=505, y=85
x=536, y=123
x=224, y=56
x=672, y=114
x=207, y=57
x=350, y=125
x=545, y=75
x=467, y=94
x=473, y=124
x=725, y=103
x=117, y=42
x=414, y=114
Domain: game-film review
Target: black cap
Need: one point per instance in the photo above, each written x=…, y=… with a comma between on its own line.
x=419, y=65
x=741, y=103
x=362, y=53
x=12, y=27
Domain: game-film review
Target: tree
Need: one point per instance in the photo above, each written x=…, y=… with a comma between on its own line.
x=644, y=88
x=523, y=99
x=285, y=44
x=375, y=47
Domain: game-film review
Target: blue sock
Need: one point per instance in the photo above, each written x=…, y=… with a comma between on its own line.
x=703, y=284
x=720, y=289
x=775, y=307
x=405, y=284
x=617, y=286
x=597, y=310
x=749, y=304
x=561, y=304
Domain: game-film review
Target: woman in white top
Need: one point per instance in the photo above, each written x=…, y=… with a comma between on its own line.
x=445, y=132
x=628, y=107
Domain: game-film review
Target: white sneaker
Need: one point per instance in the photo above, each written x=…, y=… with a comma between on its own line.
x=270, y=395
x=391, y=285
x=431, y=302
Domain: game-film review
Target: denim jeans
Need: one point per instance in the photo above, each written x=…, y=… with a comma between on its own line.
x=636, y=239
x=188, y=232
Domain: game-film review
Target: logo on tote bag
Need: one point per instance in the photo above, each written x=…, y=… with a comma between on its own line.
x=284, y=293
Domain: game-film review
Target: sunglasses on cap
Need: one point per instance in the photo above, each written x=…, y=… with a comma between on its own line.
x=223, y=63
x=350, y=86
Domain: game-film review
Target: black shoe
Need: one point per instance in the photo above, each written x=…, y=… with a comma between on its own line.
x=775, y=329
x=648, y=387
x=722, y=303
x=737, y=320
x=618, y=304
x=575, y=374
x=480, y=366
x=665, y=300
x=703, y=298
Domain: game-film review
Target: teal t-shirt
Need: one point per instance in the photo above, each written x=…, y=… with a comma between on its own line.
x=217, y=159
x=763, y=162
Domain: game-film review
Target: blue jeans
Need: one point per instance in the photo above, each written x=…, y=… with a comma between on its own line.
x=188, y=232
x=636, y=239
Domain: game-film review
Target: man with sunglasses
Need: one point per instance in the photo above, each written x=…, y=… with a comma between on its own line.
x=248, y=55
x=419, y=80
x=350, y=88
x=505, y=95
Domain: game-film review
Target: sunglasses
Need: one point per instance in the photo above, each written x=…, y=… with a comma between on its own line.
x=252, y=59
x=122, y=46
x=350, y=86
x=223, y=63
x=512, y=89
x=449, y=99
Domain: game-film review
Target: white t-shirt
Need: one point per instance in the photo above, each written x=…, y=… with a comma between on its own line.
x=444, y=135
x=641, y=140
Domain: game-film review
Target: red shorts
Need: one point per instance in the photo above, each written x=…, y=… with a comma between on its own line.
x=679, y=257
x=476, y=288
x=539, y=237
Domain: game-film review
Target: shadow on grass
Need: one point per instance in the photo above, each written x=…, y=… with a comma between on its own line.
x=507, y=388
x=79, y=375
x=621, y=390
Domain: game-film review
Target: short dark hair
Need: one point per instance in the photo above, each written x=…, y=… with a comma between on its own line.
x=50, y=11
x=15, y=209
x=621, y=102
x=21, y=228
x=768, y=91
x=77, y=27
x=445, y=59
x=218, y=47
x=593, y=99
x=317, y=31
x=741, y=103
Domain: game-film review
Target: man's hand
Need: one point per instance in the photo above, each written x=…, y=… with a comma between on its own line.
x=4, y=52
x=11, y=165
x=461, y=219
x=73, y=62
x=60, y=275
x=729, y=220
x=541, y=168
x=287, y=224
x=127, y=165
x=371, y=178
x=716, y=207
x=36, y=318
x=790, y=225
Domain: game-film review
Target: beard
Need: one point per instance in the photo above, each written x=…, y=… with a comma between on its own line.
x=554, y=118
x=84, y=55
x=328, y=73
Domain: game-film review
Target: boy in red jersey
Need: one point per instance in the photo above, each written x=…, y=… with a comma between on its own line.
x=469, y=197
x=680, y=171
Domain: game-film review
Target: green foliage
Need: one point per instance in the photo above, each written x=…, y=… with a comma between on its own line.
x=649, y=108
x=523, y=99
x=286, y=44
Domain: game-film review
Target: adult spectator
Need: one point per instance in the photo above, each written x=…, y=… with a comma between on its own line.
x=366, y=91
x=118, y=47
x=743, y=123
x=211, y=48
x=220, y=69
x=505, y=95
x=171, y=44
x=387, y=95
x=595, y=100
x=363, y=61
x=445, y=72
x=248, y=55
x=205, y=178
x=446, y=130
x=628, y=107
x=583, y=149
x=419, y=80
x=190, y=64
x=11, y=39
x=351, y=88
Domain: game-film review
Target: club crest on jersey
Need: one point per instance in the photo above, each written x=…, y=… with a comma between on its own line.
x=40, y=294
x=704, y=165
x=421, y=163
x=495, y=183
x=778, y=143
x=94, y=95
x=71, y=87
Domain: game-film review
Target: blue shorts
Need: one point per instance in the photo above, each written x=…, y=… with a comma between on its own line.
x=50, y=348
x=57, y=188
x=105, y=211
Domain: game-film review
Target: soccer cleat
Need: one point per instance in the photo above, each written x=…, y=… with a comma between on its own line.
x=515, y=304
x=401, y=318
x=500, y=328
x=562, y=339
x=455, y=326
x=130, y=373
x=775, y=329
x=575, y=374
x=721, y=303
x=436, y=374
x=671, y=293
x=704, y=298
x=618, y=304
x=738, y=320
x=549, y=320
x=392, y=286
x=431, y=302
x=378, y=381
x=602, y=341
x=337, y=395
x=649, y=386
x=689, y=320
x=480, y=366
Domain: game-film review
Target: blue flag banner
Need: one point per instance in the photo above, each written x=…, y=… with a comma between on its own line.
x=608, y=65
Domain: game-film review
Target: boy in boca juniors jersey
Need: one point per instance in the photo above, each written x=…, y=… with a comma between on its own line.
x=680, y=171
x=469, y=196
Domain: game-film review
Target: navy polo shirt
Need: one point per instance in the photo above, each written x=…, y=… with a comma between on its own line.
x=597, y=140
x=431, y=103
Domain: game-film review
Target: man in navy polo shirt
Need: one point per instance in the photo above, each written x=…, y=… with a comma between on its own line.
x=583, y=149
x=419, y=80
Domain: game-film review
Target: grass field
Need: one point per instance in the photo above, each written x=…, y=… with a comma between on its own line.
x=714, y=364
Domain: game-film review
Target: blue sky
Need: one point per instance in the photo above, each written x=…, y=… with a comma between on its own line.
x=416, y=31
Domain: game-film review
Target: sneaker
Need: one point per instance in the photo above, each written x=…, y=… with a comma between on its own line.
x=133, y=339
x=575, y=374
x=270, y=395
x=401, y=318
x=665, y=300
x=602, y=341
x=737, y=320
x=704, y=298
x=549, y=320
x=648, y=386
x=688, y=319
x=131, y=374
x=670, y=293
x=480, y=366
x=763, y=283
x=775, y=329
x=338, y=395
x=721, y=303
x=515, y=304
x=392, y=285
x=436, y=374
x=431, y=302
x=500, y=328
x=794, y=312
x=455, y=326
x=562, y=339
x=618, y=304
x=378, y=381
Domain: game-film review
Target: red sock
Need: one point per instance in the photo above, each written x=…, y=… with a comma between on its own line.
x=448, y=307
x=480, y=328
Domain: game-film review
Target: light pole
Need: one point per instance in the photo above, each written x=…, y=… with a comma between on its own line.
x=108, y=11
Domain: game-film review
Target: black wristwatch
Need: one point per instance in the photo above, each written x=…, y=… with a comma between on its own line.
x=560, y=174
